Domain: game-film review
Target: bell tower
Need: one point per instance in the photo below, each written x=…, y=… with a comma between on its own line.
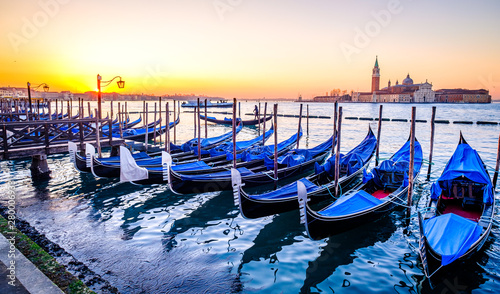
x=376, y=76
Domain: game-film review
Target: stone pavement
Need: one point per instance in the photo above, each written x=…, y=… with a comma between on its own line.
x=28, y=278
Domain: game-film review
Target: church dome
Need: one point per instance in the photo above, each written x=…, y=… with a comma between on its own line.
x=408, y=80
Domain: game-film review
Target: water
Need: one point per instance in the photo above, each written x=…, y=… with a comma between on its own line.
x=144, y=239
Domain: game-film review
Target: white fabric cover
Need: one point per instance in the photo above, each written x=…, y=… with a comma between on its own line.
x=129, y=170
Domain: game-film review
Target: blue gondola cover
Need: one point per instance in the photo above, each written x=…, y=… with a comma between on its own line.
x=451, y=235
x=351, y=203
x=467, y=163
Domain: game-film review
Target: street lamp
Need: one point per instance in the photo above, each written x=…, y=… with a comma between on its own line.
x=45, y=89
x=103, y=84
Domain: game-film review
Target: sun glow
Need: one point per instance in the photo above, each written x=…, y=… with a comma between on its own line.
x=292, y=48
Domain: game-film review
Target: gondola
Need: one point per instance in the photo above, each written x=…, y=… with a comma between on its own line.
x=111, y=169
x=105, y=128
x=293, y=163
x=320, y=185
x=220, y=103
x=251, y=157
x=384, y=188
x=459, y=216
x=139, y=134
x=186, y=151
x=229, y=121
x=83, y=164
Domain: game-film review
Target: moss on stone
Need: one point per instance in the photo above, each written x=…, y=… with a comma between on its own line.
x=44, y=262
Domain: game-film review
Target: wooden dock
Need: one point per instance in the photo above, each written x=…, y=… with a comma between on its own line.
x=22, y=139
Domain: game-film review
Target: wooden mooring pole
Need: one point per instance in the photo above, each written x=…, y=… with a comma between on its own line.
x=298, y=129
x=146, y=123
x=259, y=118
x=378, y=134
x=234, y=133
x=167, y=133
x=159, y=113
x=264, y=127
x=276, y=145
x=120, y=121
x=495, y=176
x=337, y=154
x=335, y=106
x=194, y=120
x=432, y=142
x=307, y=121
x=154, y=127
x=206, y=127
x=98, y=133
x=144, y=112
x=199, y=129
x=412, y=160
x=175, y=125
x=125, y=115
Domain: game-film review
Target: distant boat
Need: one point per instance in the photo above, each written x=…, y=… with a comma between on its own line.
x=229, y=121
x=219, y=103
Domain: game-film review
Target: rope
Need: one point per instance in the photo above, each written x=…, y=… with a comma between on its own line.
x=329, y=192
x=427, y=161
x=402, y=205
x=433, y=272
x=274, y=179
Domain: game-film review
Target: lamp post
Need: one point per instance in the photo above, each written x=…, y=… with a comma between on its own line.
x=45, y=89
x=100, y=83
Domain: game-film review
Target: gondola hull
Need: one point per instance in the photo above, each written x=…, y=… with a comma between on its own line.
x=255, y=208
x=187, y=185
x=230, y=121
x=319, y=227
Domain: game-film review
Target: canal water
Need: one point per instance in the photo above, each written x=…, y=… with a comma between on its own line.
x=145, y=239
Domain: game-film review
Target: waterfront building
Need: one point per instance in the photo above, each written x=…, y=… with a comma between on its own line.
x=463, y=96
x=410, y=92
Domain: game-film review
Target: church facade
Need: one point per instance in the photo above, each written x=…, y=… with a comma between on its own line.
x=407, y=91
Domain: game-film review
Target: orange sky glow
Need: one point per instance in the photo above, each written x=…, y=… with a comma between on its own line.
x=249, y=49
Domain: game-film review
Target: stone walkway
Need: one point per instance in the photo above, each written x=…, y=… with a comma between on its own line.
x=28, y=278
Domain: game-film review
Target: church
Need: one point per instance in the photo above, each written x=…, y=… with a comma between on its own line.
x=407, y=91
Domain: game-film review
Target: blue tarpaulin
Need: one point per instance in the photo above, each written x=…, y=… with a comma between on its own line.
x=451, y=235
x=394, y=171
x=193, y=143
x=298, y=156
x=224, y=174
x=260, y=152
x=287, y=191
x=351, y=203
x=291, y=158
x=465, y=162
x=353, y=160
x=198, y=165
x=227, y=147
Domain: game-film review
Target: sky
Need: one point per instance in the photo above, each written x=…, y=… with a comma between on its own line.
x=249, y=48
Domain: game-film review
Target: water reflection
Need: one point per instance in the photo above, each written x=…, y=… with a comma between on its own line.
x=273, y=237
x=339, y=250
x=208, y=213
